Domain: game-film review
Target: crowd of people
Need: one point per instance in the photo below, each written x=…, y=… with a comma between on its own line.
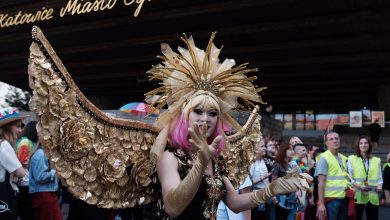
x=30, y=187
x=343, y=187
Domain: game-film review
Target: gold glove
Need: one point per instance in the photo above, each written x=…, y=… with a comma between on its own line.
x=179, y=198
x=283, y=185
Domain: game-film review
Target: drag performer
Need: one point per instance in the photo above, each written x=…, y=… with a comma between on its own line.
x=111, y=162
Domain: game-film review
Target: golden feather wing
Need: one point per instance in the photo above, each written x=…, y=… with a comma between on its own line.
x=102, y=160
x=242, y=149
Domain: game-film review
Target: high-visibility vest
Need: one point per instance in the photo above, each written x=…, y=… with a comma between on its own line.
x=336, y=182
x=359, y=175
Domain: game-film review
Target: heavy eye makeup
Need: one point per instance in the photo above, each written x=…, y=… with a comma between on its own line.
x=212, y=113
x=198, y=111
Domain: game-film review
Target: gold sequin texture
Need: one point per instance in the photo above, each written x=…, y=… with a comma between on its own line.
x=88, y=152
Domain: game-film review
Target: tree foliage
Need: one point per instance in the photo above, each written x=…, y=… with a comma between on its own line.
x=18, y=99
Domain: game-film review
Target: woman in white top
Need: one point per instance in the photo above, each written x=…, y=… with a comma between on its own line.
x=11, y=169
x=224, y=213
x=259, y=176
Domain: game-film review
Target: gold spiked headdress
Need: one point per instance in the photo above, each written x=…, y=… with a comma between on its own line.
x=186, y=73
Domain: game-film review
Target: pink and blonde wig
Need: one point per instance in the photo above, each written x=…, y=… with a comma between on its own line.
x=179, y=136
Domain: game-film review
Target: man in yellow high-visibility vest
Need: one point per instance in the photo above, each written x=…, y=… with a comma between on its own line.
x=332, y=181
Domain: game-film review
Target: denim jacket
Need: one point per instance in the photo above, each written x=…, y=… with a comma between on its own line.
x=42, y=178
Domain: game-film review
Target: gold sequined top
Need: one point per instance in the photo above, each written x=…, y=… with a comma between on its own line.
x=210, y=192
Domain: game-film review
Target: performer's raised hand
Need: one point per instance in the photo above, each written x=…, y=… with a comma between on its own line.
x=198, y=140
